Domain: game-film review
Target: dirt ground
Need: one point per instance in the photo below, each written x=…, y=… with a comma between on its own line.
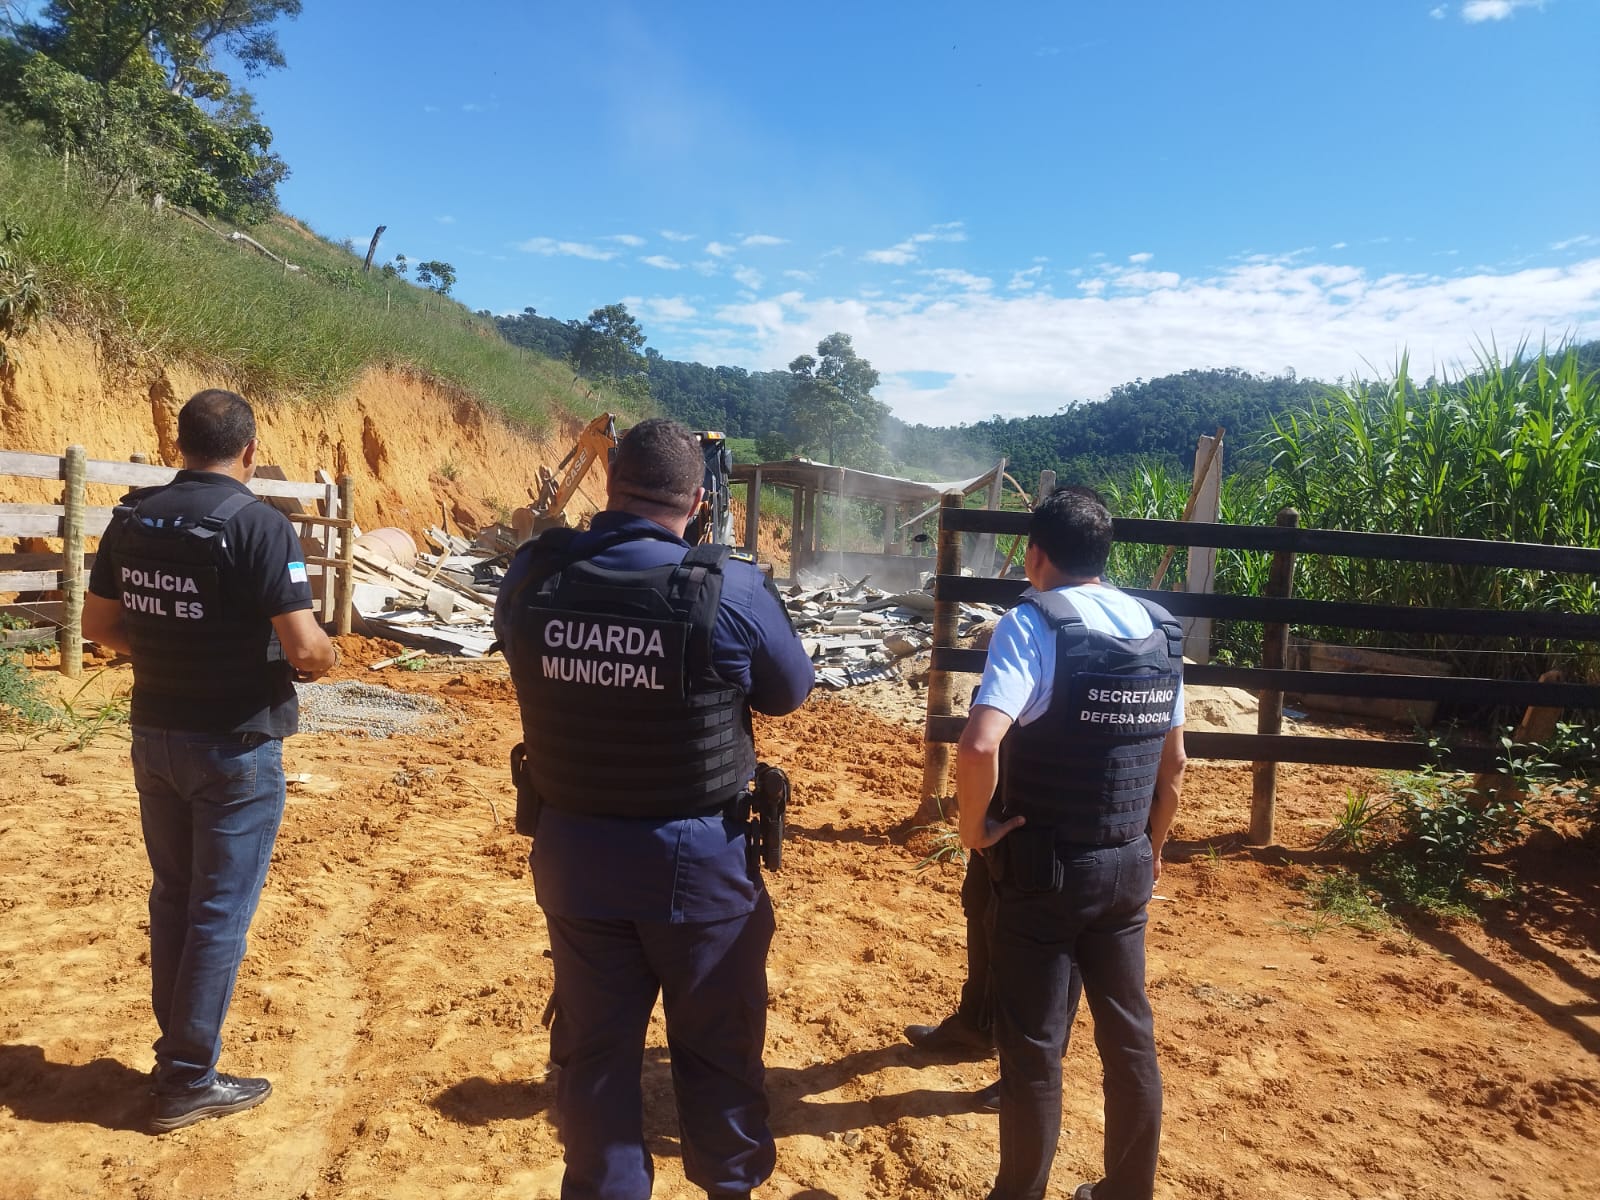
x=394, y=986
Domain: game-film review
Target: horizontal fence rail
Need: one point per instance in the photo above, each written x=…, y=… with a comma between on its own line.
x=1341, y=543
x=1276, y=613
x=73, y=520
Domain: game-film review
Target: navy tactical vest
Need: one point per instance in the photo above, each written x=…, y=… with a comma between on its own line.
x=623, y=714
x=1087, y=766
x=200, y=658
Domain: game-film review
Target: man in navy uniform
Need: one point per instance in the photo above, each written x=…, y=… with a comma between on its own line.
x=637, y=660
x=1068, y=777
x=205, y=587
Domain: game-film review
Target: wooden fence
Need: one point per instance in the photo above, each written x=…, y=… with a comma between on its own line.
x=1277, y=610
x=74, y=519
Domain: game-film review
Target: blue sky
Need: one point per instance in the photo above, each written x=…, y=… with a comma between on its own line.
x=1010, y=207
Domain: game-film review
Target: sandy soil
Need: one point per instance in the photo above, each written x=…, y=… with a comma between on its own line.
x=394, y=986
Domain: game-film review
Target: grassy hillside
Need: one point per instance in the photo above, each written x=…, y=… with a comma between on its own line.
x=160, y=284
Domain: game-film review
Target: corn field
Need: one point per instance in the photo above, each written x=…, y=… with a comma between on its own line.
x=1508, y=452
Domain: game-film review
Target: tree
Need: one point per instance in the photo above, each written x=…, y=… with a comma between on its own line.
x=436, y=275
x=128, y=88
x=831, y=408
x=609, y=345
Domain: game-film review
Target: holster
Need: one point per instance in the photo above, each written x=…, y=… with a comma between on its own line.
x=764, y=823
x=529, y=802
x=1027, y=861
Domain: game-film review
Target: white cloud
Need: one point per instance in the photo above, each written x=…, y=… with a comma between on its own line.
x=748, y=276
x=672, y=235
x=1474, y=12
x=1583, y=239
x=719, y=249
x=961, y=279
x=1340, y=245
x=430, y=108
x=664, y=310
x=551, y=248
x=1439, y=12
x=1143, y=256
x=901, y=253
x=627, y=239
x=445, y=220
x=801, y=276
x=763, y=239
x=1033, y=352
x=896, y=256
x=662, y=263
x=1022, y=281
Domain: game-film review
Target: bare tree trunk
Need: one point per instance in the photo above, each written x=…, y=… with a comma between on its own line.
x=372, y=248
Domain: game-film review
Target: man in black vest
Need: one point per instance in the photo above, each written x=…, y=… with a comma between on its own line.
x=205, y=588
x=1068, y=776
x=637, y=660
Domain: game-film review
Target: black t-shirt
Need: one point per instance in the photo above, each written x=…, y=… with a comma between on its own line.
x=261, y=574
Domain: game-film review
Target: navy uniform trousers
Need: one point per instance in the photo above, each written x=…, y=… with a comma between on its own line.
x=1096, y=923
x=711, y=977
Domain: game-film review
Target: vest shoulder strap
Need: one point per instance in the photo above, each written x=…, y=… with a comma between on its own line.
x=1055, y=608
x=212, y=523
x=1168, y=624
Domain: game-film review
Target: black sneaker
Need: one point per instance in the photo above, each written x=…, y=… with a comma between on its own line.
x=988, y=1098
x=953, y=1037
x=223, y=1095
x=1085, y=1191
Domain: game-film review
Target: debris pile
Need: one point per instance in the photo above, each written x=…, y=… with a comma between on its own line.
x=858, y=634
x=445, y=604
x=855, y=633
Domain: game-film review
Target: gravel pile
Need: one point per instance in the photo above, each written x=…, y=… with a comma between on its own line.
x=378, y=712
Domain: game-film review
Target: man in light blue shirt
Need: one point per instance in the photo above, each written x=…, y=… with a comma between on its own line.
x=1068, y=777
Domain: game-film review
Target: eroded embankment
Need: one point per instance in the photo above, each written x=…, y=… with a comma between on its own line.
x=417, y=452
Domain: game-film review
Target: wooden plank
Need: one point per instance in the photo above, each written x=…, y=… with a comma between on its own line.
x=1398, y=547
x=936, y=756
x=30, y=581
x=37, y=562
x=47, y=520
x=1252, y=747
x=24, y=465
x=1345, y=683
x=41, y=636
x=1471, y=622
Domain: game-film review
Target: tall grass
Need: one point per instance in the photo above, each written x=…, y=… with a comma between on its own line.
x=158, y=284
x=1507, y=452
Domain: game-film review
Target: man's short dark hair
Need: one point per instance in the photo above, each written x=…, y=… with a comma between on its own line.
x=215, y=426
x=659, y=462
x=1073, y=527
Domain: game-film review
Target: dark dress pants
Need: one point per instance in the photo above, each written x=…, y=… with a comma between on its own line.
x=1096, y=922
x=713, y=985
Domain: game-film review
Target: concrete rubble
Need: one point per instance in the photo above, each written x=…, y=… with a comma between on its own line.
x=855, y=633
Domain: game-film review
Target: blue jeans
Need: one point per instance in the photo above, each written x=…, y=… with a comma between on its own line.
x=210, y=806
x=1096, y=921
x=712, y=980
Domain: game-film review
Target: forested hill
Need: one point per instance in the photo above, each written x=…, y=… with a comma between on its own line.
x=1156, y=418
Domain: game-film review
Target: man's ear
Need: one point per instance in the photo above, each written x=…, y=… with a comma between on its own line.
x=694, y=505
x=247, y=456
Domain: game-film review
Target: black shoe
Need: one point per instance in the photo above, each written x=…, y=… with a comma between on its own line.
x=1085, y=1192
x=952, y=1036
x=225, y=1094
x=989, y=1098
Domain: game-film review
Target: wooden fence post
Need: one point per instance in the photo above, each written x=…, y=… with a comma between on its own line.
x=1269, y=720
x=941, y=684
x=70, y=638
x=752, y=514
x=345, y=585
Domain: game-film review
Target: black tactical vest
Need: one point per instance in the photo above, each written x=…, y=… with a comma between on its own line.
x=1087, y=767
x=623, y=714
x=200, y=658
